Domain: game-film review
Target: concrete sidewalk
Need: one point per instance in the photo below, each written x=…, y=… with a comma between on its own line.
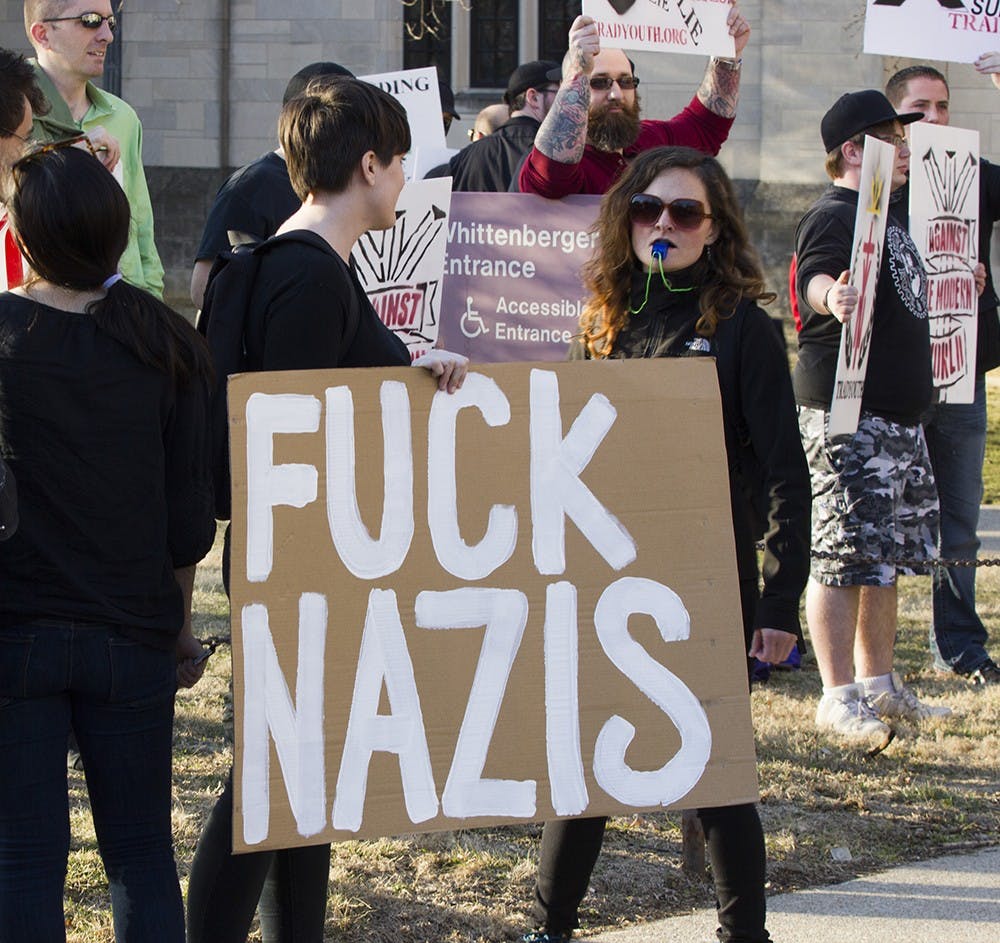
x=954, y=899
x=989, y=530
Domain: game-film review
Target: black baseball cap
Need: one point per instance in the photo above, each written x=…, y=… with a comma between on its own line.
x=447, y=100
x=530, y=75
x=298, y=82
x=853, y=112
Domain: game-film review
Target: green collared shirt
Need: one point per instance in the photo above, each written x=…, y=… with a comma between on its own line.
x=140, y=263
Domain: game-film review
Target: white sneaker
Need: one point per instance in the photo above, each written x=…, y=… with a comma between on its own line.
x=903, y=703
x=853, y=717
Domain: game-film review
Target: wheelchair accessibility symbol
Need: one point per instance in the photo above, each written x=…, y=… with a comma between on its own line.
x=472, y=324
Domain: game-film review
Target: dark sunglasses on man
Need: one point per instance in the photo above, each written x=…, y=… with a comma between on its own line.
x=601, y=83
x=645, y=209
x=87, y=20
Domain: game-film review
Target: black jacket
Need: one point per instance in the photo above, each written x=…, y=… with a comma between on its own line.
x=488, y=165
x=768, y=475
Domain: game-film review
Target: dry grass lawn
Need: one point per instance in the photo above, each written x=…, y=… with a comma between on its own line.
x=933, y=791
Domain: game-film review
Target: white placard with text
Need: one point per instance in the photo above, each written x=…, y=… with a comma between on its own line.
x=944, y=223
x=866, y=261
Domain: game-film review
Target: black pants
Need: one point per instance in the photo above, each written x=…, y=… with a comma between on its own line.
x=735, y=842
x=733, y=836
x=291, y=886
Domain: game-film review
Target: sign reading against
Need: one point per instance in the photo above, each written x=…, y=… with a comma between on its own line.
x=866, y=260
x=944, y=223
x=948, y=30
x=455, y=611
x=417, y=91
x=697, y=27
x=401, y=268
x=513, y=289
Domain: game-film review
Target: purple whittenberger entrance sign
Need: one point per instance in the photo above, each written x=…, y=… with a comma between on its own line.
x=512, y=288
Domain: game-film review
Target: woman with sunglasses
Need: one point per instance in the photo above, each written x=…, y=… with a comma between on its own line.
x=676, y=277
x=103, y=418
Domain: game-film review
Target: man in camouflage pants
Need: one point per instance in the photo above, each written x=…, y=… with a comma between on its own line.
x=874, y=500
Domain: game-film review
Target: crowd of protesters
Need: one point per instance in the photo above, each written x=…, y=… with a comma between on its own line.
x=105, y=431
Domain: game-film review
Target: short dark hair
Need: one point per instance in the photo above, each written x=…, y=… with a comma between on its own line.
x=895, y=88
x=17, y=83
x=327, y=129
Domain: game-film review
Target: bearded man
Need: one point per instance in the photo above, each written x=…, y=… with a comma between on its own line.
x=594, y=127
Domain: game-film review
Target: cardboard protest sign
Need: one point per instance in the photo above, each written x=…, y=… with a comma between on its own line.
x=866, y=261
x=513, y=289
x=944, y=223
x=948, y=30
x=423, y=641
x=697, y=27
x=417, y=91
x=12, y=265
x=401, y=268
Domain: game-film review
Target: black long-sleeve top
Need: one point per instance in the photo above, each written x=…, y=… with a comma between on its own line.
x=768, y=475
x=112, y=468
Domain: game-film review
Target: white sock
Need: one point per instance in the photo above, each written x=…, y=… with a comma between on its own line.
x=842, y=692
x=880, y=684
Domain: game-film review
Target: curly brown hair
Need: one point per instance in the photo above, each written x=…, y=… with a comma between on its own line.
x=732, y=273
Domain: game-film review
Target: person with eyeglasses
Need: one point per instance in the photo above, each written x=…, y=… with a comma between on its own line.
x=874, y=497
x=594, y=127
x=487, y=121
x=70, y=39
x=956, y=432
x=490, y=164
x=675, y=276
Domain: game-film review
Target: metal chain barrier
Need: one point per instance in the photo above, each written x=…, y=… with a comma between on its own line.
x=922, y=565
x=212, y=642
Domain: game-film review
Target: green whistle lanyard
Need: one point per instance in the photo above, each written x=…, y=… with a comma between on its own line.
x=666, y=284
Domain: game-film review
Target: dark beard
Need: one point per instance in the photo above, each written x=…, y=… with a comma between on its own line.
x=613, y=130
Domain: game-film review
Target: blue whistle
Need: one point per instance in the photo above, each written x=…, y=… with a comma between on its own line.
x=660, y=248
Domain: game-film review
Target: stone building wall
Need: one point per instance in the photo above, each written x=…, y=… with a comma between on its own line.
x=208, y=90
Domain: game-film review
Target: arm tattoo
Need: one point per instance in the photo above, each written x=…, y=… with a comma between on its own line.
x=563, y=133
x=720, y=89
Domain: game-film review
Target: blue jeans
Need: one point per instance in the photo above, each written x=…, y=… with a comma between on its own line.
x=956, y=440
x=118, y=698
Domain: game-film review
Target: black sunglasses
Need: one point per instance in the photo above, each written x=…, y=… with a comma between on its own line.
x=39, y=149
x=87, y=20
x=601, y=83
x=646, y=209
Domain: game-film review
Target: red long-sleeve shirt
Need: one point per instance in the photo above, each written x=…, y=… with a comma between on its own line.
x=695, y=126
